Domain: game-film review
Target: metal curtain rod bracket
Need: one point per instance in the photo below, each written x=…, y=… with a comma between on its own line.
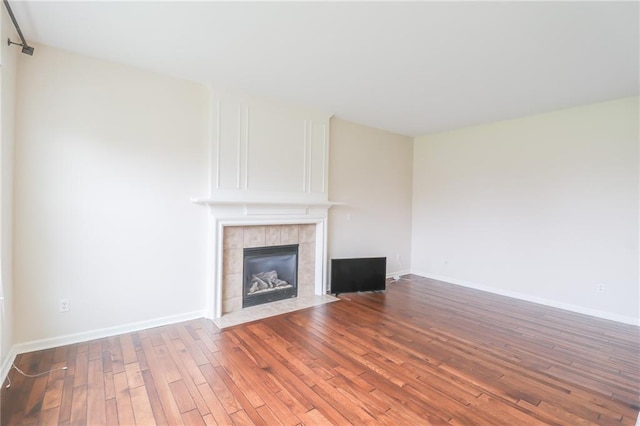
x=26, y=49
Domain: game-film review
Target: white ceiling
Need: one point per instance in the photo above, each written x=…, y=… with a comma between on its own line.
x=410, y=68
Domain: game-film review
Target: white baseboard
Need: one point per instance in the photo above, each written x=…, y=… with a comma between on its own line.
x=69, y=339
x=6, y=364
x=539, y=300
x=397, y=273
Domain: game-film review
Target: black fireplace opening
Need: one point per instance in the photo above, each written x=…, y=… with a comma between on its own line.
x=269, y=274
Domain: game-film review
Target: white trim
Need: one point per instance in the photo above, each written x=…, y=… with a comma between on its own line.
x=244, y=115
x=6, y=364
x=306, y=162
x=325, y=159
x=69, y=339
x=216, y=256
x=321, y=266
x=239, y=150
x=206, y=201
x=216, y=143
x=211, y=268
x=397, y=273
x=535, y=299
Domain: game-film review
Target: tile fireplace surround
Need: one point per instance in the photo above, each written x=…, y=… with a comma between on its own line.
x=237, y=238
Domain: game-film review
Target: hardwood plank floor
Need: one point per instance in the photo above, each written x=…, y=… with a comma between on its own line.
x=425, y=352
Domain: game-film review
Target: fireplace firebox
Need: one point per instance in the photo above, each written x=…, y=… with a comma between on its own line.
x=269, y=274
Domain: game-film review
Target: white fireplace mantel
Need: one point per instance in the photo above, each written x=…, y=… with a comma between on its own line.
x=247, y=208
x=217, y=202
x=260, y=212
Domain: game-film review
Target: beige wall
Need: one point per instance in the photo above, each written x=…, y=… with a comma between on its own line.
x=7, y=88
x=543, y=207
x=107, y=157
x=370, y=170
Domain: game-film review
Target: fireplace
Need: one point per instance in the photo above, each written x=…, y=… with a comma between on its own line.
x=237, y=239
x=236, y=225
x=269, y=274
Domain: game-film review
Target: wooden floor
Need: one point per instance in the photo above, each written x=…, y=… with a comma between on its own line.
x=425, y=352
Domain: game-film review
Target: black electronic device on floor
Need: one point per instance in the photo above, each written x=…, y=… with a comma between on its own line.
x=358, y=274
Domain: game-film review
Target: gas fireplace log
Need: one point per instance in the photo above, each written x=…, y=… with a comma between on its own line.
x=265, y=280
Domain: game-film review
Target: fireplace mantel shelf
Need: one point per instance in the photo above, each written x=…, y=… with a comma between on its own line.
x=214, y=202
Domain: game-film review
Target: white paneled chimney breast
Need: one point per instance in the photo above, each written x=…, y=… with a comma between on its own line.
x=269, y=175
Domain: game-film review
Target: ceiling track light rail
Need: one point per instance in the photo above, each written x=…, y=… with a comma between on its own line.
x=26, y=49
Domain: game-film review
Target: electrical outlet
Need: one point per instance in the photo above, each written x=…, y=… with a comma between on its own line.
x=600, y=288
x=64, y=305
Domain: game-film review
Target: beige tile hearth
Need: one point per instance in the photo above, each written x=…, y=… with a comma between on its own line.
x=267, y=310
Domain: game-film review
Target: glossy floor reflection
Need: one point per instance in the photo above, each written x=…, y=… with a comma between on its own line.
x=272, y=309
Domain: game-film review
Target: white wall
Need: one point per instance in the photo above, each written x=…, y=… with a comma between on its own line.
x=543, y=207
x=371, y=171
x=7, y=89
x=107, y=158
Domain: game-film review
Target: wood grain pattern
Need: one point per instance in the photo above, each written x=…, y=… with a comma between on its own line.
x=425, y=352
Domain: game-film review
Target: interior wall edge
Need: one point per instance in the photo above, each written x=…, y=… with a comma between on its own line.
x=5, y=366
x=397, y=273
x=534, y=299
x=86, y=336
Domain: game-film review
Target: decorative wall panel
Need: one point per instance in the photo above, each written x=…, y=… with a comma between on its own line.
x=264, y=150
